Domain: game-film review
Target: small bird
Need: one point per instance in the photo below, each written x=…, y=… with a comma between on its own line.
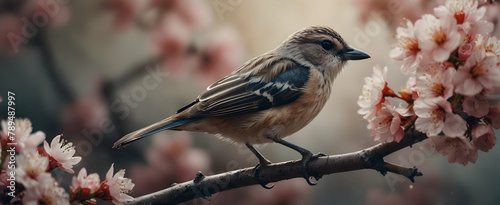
x=269, y=97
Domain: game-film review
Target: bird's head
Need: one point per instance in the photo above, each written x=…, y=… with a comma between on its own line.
x=320, y=47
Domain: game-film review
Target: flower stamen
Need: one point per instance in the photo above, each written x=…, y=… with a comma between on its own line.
x=439, y=36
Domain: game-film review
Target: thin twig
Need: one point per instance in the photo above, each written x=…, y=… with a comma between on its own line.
x=370, y=158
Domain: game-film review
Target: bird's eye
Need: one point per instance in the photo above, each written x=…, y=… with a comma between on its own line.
x=327, y=45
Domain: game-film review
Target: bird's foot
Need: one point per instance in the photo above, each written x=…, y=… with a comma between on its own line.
x=256, y=174
x=263, y=162
x=306, y=157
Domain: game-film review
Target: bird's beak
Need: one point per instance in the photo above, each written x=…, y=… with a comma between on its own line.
x=353, y=54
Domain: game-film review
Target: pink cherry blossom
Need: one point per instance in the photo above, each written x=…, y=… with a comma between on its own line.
x=479, y=72
x=435, y=116
x=467, y=15
x=84, y=181
x=491, y=45
x=386, y=124
x=118, y=186
x=483, y=137
x=437, y=37
x=26, y=141
x=436, y=81
x=451, y=95
x=458, y=149
x=61, y=154
x=492, y=10
x=465, y=50
x=47, y=191
x=373, y=97
x=83, y=187
x=407, y=48
x=477, y=106
x=29, y=167
x=493, y=117
x=411, y=83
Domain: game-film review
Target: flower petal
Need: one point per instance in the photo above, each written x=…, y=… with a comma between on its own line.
x=454, y=125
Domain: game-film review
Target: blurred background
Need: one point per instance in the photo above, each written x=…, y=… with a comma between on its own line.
x=98, y=69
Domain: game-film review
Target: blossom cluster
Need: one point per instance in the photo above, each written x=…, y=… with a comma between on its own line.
x=451, y=93
x=33, y=167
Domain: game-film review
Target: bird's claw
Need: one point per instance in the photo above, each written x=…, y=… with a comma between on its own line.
x=256, y=175
x=319, y=155
x=306, y=157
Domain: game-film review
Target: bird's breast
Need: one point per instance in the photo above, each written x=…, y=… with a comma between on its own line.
x=301, y=112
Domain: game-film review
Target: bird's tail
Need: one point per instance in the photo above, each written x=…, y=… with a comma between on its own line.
x=165, y=124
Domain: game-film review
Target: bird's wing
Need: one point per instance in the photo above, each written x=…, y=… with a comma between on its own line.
x=239, y=94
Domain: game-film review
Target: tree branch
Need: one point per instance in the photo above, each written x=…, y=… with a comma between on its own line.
x=370, y=158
